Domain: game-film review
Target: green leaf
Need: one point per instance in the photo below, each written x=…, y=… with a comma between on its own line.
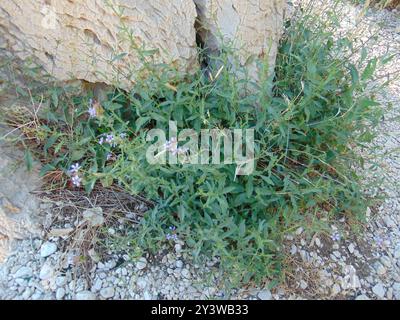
x=140, y=122
x=89, y=185
x=28, y=159
x=77, y=155
x=50, y=142
x=46, y=168
x=119, y=56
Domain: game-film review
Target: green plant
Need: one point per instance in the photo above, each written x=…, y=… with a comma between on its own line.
x=305, y=131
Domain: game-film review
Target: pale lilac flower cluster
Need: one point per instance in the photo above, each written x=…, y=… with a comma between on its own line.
x=381, y=241
x=172, y=235
x=76, y=180
x=336, y=236
x=108, y=138
x=172, y=146
x=92, y=110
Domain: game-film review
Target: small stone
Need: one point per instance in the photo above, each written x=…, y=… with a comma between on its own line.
x=265, y=295
x=141, y=263
x=178, y=248
x=60, y=293
x=61, y=281
x=94, y=255
x=299, y=231
x=379, y=268
x=389, y=222
x=47, y=249
x=335, y=289
x=60, y=232
x=147, y=296
x=21, y=282
x=293, y=250
x=23, y=272
x=46, y=272
x=107, y=293
x=362, y=297
x=318, y=242
x=85, y=295
x=97, y=285
x=94, y=217
x=397, y=252
x=351, y=248
x=303, y=285
x=27, y=294
x=141, y=283
x=379, y=290
x=186, y=273
x=179, y=264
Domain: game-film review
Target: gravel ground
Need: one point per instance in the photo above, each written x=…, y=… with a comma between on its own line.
x=336, y=266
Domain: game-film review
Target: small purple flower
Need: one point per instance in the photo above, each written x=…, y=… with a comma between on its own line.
x=173, y=237
x=335, y=236
x=381, y=241
x=92, y=112
x=123, y=135
x=75, y=168
x=76, y=181
x=110, y=138
x=101, y=140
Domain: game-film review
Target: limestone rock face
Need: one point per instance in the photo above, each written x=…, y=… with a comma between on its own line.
x=254, y=27
x=77, y=39
x=81, y=39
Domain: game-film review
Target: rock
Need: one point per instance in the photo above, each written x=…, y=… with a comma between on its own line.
x=60, y=293
x=265, y=295
x=178, y=248
x=379, y=290
x=186, y=273
x=107, y=293
x=94, y=255
x=27, y=294
x=97, y=285
x=94, y=217
x=85, y=295
x=397, y=252
x=47, y=249
x=351, y=248
x=141, y=282
x=61, y=281
x=179, y=264
x=303, y=285
x=141, y=263
x=335, y=289
x=362, y=297
x=60, y=232
x=389, y=222
x=379, y=268
x=78, y=39
x=23, y=272
x=46, y=272
x=147, y=296
x=253, y=27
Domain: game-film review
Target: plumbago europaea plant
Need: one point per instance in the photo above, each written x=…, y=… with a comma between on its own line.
x=304, y=131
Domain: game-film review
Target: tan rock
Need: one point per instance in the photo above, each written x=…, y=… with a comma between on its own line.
x=78, y=39
x=254, y=27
